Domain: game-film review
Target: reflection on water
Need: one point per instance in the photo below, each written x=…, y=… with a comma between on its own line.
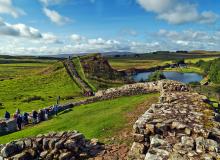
x=177, y=76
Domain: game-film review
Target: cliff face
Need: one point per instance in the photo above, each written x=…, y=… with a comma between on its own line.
x=98, y=66
x=180, y=126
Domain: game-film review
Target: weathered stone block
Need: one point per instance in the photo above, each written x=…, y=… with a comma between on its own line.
x=138, y=137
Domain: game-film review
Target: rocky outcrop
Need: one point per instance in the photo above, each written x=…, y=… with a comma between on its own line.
x=181, y=126
x=98, y=66
x=62, y=145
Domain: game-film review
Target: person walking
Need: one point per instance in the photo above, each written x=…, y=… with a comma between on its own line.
x=55, y=108
x=18, y=111
x=40, y=115
x=19, y=121
x=7, y=115
x=15, y=116
x=34, y=116
x=58, y=100
x=25, y=118
x=46, y=114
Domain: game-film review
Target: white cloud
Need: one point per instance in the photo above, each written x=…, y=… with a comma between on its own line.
x=208, y=17
x=50, y=38
x=6, y=7
x=23, y=31
x=177, y=11
x=55, y=17
x=48, y=43
x=189, y=40
x=18, y=30
x=187, y=35
x=77, y=38
x=51, y=2
x=98, y=41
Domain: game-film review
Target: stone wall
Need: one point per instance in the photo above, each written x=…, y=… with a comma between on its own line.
x=71, y=70
x=8, y=126
x=63, y=146
x=111, y=93
x=181, y=126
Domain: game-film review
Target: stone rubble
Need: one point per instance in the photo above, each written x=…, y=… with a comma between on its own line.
x=181, y=126
x=69, y=145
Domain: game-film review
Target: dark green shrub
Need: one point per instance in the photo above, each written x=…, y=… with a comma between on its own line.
x=194, y=83
x=33, y=98
x=179, y=61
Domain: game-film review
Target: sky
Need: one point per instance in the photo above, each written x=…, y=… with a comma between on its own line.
x=48, y=27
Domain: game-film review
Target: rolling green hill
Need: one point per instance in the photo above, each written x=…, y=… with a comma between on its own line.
x=101, y=119
x=31, y=86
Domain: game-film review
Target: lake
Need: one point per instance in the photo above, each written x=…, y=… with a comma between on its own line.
x=177, y=76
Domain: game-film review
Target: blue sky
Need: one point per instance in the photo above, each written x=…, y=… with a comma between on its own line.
x=39, y=27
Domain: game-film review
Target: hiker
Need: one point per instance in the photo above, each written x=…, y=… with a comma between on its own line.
x=19, y=121
x=55, y=109
x=7, y=115
x=40, y=115
x=34, y=116
x=46, y=114
x=25, y=118
x=58, y=100
x=15, y=116
x=18, y=111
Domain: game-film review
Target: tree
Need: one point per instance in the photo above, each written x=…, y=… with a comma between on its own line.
x=212, y=69
x=179, y=61
x=158, y=75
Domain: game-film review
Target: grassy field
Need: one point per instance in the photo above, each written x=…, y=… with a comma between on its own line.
x=145, y=61
x=189, y=69
x=15, y=70
x=125, y=63
x=81, y=73
x=99, y=120
x=195, y=60
x=34, y=85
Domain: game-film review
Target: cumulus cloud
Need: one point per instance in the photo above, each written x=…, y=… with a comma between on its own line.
x=23, y=31
x=51, y=38
x=177, y=11
x=6, y=7
x=187, y=35
x=189, y=40
x=48, y=43
x=77, y=38
x=55, y=17
x=18, y=30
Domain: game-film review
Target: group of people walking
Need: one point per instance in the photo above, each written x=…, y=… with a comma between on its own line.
x=34, y=117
